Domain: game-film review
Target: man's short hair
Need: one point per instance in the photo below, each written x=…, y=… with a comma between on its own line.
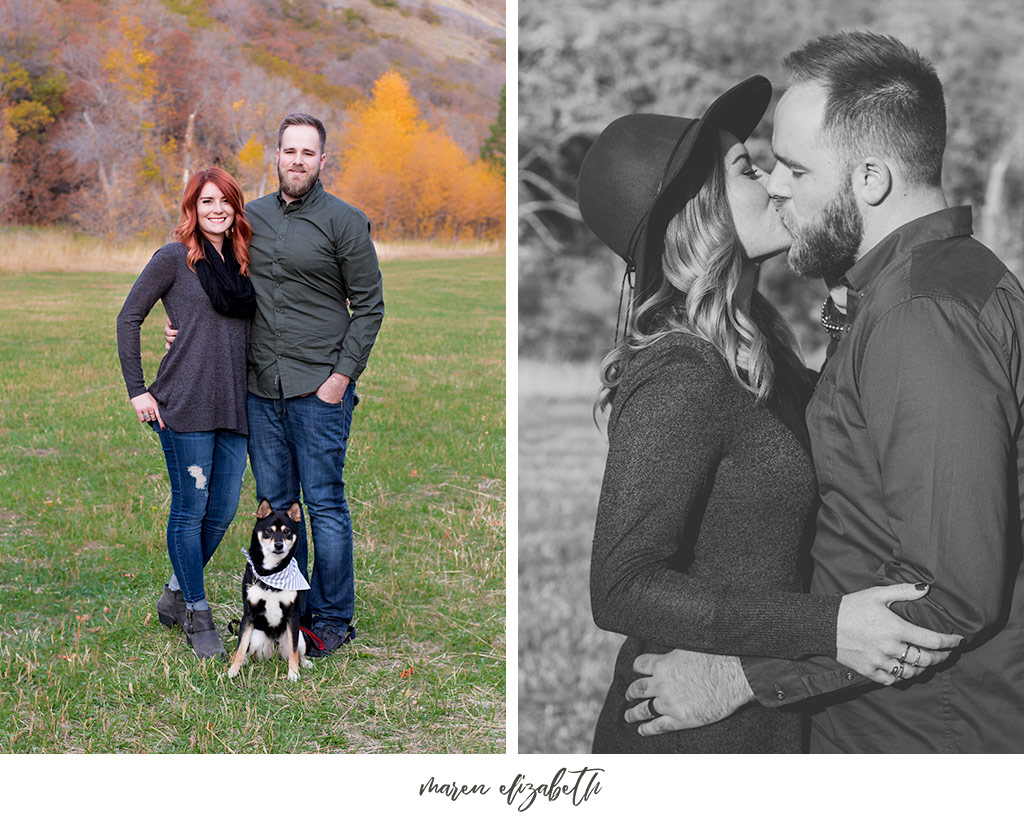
x=299, y=119
x=884, y=98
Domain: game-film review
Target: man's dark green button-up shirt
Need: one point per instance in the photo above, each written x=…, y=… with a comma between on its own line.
x=307, y=258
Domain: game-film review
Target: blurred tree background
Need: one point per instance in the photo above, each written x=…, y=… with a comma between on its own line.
x=107, y=107
x=582, y=64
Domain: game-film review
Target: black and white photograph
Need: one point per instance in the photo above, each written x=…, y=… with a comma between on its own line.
x=770, y=377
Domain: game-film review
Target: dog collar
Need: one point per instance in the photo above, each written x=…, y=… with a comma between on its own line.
x=287, y=578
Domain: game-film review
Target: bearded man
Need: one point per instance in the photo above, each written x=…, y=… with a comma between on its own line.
x=320, y=304
x=915, y=424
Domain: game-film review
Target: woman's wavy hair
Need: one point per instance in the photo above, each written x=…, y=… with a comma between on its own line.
x=188, y=232
x=701, y=262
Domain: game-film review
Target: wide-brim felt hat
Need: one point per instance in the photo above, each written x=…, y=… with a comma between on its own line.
x=636, y=166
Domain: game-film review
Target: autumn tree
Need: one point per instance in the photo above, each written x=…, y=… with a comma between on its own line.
x=113, y=83
x=32, y=96
x=253, y=117
x=493, y=148
x=412, y=180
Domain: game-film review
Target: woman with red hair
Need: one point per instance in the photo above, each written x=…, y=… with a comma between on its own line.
x=197, y=403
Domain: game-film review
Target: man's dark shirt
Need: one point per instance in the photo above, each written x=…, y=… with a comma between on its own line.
x=307, y=258
x=916, y=432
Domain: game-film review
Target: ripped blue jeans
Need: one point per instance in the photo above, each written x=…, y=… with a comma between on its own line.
x=206, y=471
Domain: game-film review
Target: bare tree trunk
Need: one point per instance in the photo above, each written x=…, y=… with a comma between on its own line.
x=262, y=190
x=994, y=226
x=106, y=182
x=190, y=136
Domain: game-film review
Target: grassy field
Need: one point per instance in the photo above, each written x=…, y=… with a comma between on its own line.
x=565, y=661
x=84, y=664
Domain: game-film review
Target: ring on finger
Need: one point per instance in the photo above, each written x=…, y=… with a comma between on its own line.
x=918, y=659
x=896, y=669
x=650, y=708
x=906, y=652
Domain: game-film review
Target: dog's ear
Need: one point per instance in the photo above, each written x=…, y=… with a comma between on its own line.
x=265, y=509
x=295, y=512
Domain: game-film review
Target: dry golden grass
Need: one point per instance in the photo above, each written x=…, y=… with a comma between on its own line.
x=434, y=249
x=31, y=249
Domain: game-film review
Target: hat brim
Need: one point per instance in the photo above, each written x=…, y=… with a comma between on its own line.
x=737, y=111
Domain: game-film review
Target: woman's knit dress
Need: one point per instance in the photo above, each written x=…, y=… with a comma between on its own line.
x=704, y=524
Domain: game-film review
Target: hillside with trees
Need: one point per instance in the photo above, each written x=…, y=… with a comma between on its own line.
x=108, y=106
x=581, y=65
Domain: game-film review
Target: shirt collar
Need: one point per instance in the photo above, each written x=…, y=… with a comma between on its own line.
x=310, y=197
x=940, y=225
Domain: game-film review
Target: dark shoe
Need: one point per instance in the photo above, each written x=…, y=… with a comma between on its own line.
x=201, y=633
x=326, y=640
x=171, y=607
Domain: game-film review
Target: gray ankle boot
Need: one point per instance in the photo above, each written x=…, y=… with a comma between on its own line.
x=201, y=633
x=171, y=607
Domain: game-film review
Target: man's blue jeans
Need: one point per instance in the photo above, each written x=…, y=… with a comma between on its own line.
x=301, y=442
x=206, y=471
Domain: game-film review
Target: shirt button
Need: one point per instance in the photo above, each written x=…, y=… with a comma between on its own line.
x=780, y=695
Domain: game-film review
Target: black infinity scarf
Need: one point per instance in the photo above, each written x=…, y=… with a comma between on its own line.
x=229, y=291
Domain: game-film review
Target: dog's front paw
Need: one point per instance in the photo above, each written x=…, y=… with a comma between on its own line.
x=233, y=671
x=306, y=662
x=293, y=676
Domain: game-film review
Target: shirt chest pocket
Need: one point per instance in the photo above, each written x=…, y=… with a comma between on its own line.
x=822, y=426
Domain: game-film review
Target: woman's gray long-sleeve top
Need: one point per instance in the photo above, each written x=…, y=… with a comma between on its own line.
x=705, y=518
x=201, y=383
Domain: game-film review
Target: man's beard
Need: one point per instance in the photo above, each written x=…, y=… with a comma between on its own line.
x=827, y=248
x=300, y=187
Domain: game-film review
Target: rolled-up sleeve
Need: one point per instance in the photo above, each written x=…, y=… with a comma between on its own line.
x=942, y=413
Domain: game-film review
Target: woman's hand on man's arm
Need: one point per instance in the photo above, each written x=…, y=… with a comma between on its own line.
x=874, y=641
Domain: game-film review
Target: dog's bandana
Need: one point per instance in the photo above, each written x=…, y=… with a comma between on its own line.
x=287, y=578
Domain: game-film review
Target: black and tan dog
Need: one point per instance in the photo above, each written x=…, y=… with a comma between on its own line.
x=270, y=593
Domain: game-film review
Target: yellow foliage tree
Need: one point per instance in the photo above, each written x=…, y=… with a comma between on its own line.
x=251, y=165
x=411, y=180
x=129, y=64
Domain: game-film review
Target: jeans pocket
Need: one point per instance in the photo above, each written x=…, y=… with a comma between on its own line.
x=317, y=399
x=349, y=390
